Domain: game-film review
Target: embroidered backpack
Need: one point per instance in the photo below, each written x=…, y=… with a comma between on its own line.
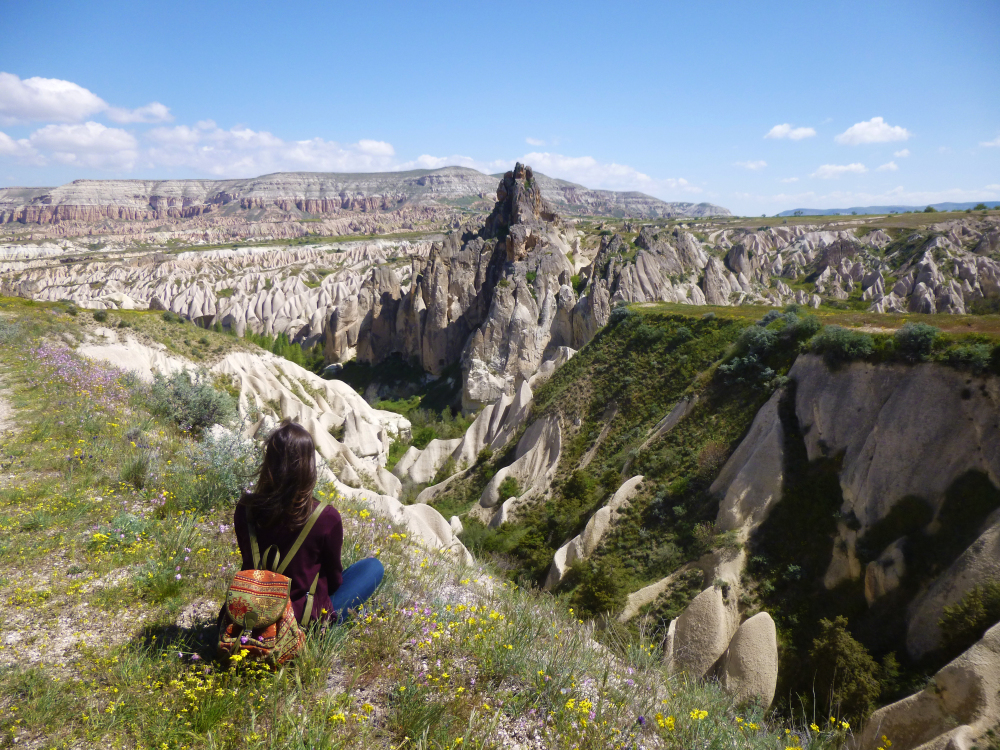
x=257, y=620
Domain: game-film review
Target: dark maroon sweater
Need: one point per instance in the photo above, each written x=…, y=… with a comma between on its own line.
x=319, y=553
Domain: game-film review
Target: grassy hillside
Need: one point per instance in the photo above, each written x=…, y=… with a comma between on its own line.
x=118, y=547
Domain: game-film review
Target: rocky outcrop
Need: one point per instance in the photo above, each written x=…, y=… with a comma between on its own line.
x=498, y=300
x=493, y=428
x=535, y=462
x=955, y=710
x=751, y=481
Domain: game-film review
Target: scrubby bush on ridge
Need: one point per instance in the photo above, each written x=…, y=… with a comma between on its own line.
x=189, y=401
x=839, y=345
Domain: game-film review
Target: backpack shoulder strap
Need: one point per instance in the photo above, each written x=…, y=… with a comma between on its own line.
x=302, y=535
x=254, y=548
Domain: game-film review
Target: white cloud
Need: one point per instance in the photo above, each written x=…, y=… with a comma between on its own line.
x=993, y=187
x=47, y=99
x=54, y=100
x=828, y=171
x=902, y=154
x=534, y=142
x=875, y=130
x=587, y=171
x=19, y=149
x=152, y=112
x=88, y=144
x=785, y=130
x=242, y=152
x=888, y=167
x=751, y=165
x=789, y=179
x=994, y=142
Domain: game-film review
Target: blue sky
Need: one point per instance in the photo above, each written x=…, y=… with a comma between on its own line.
x=864, y=103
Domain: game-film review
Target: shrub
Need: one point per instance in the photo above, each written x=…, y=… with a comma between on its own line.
x=838, y=344
x=448, y=468
x=847, y=677
x=603, y=587
x=9, y=332
x=225, y=464
x=647, y=335
x=579, y=485
x=682, y=335
x=965, y=621
x=423, y=435
x=916, y=340
x=192, y=404
x=975, y=357
x=509, y=488
x=100, y=315
x=620, y=314
x=135, y=469
x=484, y=455
x=747, y=366
x=802, y=328
x=930, y=210
x=770, y=317
x=980, y=207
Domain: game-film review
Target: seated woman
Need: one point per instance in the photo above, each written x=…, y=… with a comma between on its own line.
x=279, y=506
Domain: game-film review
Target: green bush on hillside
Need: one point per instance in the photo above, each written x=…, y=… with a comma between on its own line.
x=9, y=332
x=965, y=621
x=847, y=677
x=192, y=404
x=620, y=314
x=839, y=345
x=509, y=488
x=603, y=587
x=974, y=357
x=224, y=465
x=916, y=340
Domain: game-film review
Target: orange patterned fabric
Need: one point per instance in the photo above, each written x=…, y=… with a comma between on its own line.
x=259, y=592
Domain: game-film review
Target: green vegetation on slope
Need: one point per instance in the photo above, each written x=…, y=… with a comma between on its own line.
x=611, y=396
x=619, y=386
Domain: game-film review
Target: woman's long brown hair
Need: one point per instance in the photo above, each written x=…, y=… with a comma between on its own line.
x=284, y=492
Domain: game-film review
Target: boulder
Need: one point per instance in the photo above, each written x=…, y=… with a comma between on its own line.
x=749, y=668
x=702, y=635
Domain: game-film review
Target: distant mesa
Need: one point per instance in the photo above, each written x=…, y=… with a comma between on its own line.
x=314, y=193
x=860, y=210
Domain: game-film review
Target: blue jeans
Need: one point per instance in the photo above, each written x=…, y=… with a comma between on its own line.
x=360, y=582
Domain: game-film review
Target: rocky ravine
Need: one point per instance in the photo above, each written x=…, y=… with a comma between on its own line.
x=892, y=452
